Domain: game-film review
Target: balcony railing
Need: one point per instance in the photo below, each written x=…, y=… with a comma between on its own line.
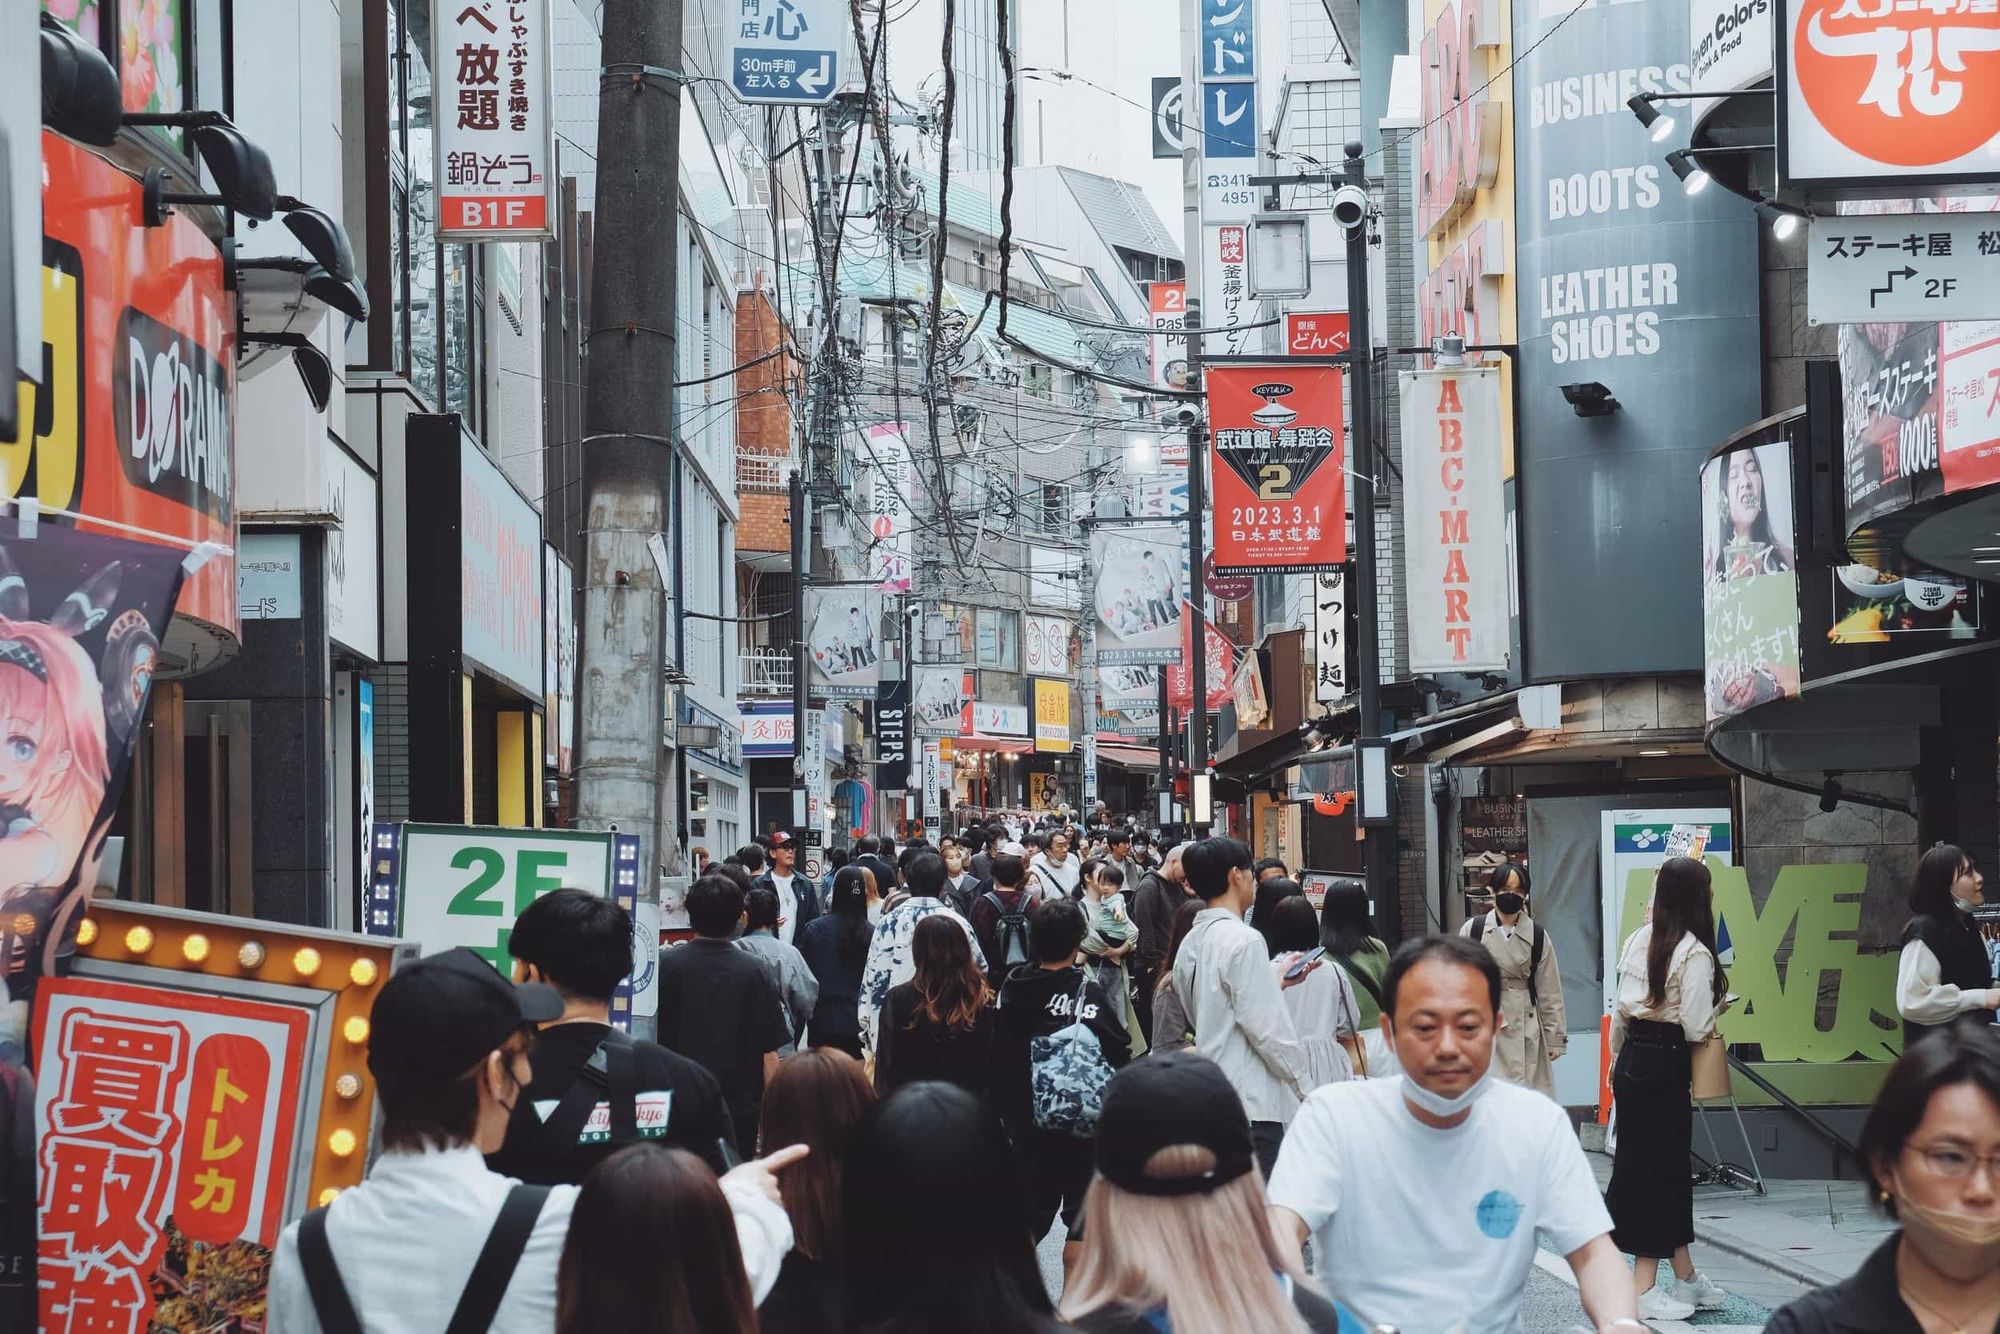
x=766, y=672
x=761, y=472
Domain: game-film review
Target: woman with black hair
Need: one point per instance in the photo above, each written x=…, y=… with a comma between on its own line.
x=835, y=945
x=1945, y=970
x=934, y=1185
x=1931, y=1145
x=1347, y=929
x=1532, y=1033
x=1670, y=992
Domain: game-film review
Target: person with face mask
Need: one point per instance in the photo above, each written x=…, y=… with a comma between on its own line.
x=1931, y=1145
x=1945, y=971
x=1426, y=1194
x=1531, y=999
x=1670, y=995
x=962, y=887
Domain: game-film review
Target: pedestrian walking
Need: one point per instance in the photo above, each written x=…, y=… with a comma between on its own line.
x=1931, y=1145
x=1945, y=970
x=1110, y=937
x=941, y=1023
x=1038, y=1001
x=1224, y=979
x=720, y=1005
x=1426, y=1194
x=817, y=1099
x=1000, y=919
x=961, y=885
x=1118, y=852
x=932, y=1197
x=835, y=948
x=1157, y=897
x=448, y=1049
x=651, y=1250
x=1670, y=994
x=1271, y=891
x=1347, y=929
x=1061, y=871
x=1171, y=1029
x=796, y=984
x=596, y=1089
x=891, y=960
x=1320, y=996
x=1532, y=1034
x=798, y=896
x=1177, y=1234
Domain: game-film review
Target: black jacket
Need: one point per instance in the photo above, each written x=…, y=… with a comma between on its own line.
x=807, y=890
x=1867, y=1303
x=1035, y=1002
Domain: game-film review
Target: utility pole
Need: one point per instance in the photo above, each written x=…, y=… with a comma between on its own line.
x=801, y=559
x=1200, y=784
x=629, y=452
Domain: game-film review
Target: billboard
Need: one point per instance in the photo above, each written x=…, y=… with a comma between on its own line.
x=1138, y=592
x=1051, y=717
x=1890, y=392
x=495, y=151
x=887, y=478
x=843, y=642
x=1277, y=447
x=1454, y=521
x=1750, y=583
x=1623, y=280
x=1167, y=302
x=500, y=572
x=942, y=702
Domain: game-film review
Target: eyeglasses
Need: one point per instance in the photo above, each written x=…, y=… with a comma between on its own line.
x=1955, y=1164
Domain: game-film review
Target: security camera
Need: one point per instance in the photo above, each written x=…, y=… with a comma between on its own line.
x=1182, y=415
x=1350, y=207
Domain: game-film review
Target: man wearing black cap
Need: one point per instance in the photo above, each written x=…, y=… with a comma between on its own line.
x=432, y=1240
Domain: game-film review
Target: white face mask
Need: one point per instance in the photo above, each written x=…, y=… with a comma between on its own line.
x=1439, y=1105
x=1963, y=906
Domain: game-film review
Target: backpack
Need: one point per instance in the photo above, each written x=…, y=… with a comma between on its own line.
x=1534, y=957
x=1012, y=930
x=1067, y=1074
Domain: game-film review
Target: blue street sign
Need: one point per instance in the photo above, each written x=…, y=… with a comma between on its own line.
x=1228, y=39
x=1229, y=120
x=786, y=52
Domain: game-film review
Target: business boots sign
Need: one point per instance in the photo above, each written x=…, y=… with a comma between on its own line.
x=1454, y=521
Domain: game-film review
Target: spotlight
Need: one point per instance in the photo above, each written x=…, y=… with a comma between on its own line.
x=80, y=94
x=1590, y=399
x=1650, y=116
x=1784, y=222
x=244, y=181
x=1693, y=179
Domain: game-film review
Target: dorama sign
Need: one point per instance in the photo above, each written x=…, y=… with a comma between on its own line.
x=1277, y=445
x=1453, y=521
x=1459, y=147
x=491, y=109
x=1875, y=93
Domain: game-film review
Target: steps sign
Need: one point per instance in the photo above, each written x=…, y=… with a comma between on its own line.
x=786, y=52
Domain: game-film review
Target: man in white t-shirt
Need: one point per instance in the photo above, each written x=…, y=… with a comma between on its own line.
x=798, y=899
x=1425, y=1194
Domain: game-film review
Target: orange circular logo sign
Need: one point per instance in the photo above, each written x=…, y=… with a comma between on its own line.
x=1913, y=83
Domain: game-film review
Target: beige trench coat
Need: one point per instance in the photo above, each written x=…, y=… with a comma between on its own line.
x=1528, y=1041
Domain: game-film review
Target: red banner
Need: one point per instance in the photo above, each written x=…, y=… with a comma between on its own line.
x=1277, y=450
x=1221, y=654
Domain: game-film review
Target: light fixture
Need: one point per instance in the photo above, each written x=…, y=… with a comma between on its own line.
x=328, y=1196
x=1829, y=796
x=1654, y=754
x=363, y=972
x=323, y=238
x=1202, y=788
x=1373, y=798
x=347, y=1087
x=355, y=1030
x=1659, y=122
x=139, y=939
x=86, y=932
x=1784, y=221
x=1142, y=452
x=80, y=91
x=195, y=947
x=1589, y=399
x=341, y=1143
x=244, y=181
x=306, y=961
x=250, y=954
x=1693, y=179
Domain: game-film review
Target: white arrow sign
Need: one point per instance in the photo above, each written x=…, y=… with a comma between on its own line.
x=1903, y=267
x=816, y=79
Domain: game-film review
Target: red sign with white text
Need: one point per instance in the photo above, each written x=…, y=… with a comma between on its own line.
x=1221, y=654
x=166, y=1123
x=1316, y=334
x=1277, y=448
x=1168, y=302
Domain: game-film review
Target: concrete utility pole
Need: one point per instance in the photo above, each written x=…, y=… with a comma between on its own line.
x=629, y=450
x=1192, y=115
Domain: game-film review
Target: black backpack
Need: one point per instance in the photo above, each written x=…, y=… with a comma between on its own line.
x=1012, y=931
x=1534, y=957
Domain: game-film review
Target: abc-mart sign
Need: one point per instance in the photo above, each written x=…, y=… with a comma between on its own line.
x=1882, y=96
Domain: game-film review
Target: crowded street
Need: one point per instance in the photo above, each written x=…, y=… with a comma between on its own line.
x=999, y=667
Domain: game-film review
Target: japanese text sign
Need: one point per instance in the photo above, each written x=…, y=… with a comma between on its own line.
x=1750, y=582
x=465, y=884
x=1330, y=683
x=1277, y=446
x=492, y=111
x=785, y=51
x=1315, y=334
x=1903, y=267
x=1051, y=716
x=166, y=1123
x=1227, y=308
x=1874, y=90
x=1454, y=520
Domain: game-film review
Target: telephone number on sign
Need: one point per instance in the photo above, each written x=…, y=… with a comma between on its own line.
x=1270, y=514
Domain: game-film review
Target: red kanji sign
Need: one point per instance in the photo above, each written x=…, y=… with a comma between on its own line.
x=1277, y=447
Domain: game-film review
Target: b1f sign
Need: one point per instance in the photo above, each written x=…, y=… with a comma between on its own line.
x=1454, y=521
x=490, y=66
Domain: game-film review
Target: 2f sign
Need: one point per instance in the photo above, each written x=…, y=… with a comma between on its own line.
x=465, y=885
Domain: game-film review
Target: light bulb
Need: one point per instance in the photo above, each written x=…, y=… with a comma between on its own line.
x=306, y=962
x=363, y=972
x=341, y=1143
x=250, y=954
x=139, y=939
x=355, y=1030
x=86, y=932
x=348, y=1086
x=195, y=948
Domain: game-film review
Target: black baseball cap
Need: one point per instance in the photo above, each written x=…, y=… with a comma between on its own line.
x=439, y=1017
x=1168, y=1098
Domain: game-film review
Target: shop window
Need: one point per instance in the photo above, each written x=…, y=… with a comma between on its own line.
x=999, y=639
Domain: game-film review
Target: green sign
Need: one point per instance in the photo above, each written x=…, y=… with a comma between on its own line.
x=465, y=884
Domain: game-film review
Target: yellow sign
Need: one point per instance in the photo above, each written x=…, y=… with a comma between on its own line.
x=1044, y=792
x=1051, y=716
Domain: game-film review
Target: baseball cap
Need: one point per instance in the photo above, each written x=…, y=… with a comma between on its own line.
x=438, y=1018
x=1168, y=1098
x=781, y=839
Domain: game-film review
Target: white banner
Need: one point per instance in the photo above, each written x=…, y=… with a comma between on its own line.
x=939, y=699
x=813, y=763
x=886, y=466
x=490, y=102
x=933, y=783
x=1141, y=585
x=1330, y=636
x=1454, y=521
x=843, y=642
x=990, y=719
x=1045, y=646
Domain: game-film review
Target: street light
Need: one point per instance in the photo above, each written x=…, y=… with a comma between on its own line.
x=1142, y=452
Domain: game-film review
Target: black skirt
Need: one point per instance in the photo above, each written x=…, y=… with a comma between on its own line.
x=1651, y=1197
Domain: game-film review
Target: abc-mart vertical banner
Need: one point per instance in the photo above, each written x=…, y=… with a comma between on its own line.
x=490, y=66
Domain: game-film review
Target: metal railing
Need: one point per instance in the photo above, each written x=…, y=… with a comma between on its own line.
x=766, y=672
x=760, y=472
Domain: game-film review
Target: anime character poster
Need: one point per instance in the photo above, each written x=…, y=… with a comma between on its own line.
x=81, y=615
x=843, y=637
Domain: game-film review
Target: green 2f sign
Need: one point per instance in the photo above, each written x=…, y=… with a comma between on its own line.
x=465, y=884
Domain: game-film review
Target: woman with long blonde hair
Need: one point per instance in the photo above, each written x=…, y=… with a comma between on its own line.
x=1177, y=1237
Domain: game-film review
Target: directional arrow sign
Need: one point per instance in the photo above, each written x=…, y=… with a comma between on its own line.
x=1895, y=268
x=786, y=52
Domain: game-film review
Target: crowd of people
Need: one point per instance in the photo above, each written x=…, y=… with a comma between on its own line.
x=1242, y=1110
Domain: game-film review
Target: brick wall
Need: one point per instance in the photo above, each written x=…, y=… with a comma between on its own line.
x=763, y=522
x=763, y=422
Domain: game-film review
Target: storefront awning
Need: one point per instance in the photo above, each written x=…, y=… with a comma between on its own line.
x=1128, y=757
x=998, y=745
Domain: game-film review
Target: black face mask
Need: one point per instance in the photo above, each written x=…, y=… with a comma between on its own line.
x=1508, y=902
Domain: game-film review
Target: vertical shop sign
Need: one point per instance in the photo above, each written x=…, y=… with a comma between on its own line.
x=1168, y=306
x=812, y=767
x=892, y=734
x=500, y=575
x=1045, y=646
x=490, y=104
x=1277, y=448
x=1052, y=736
x=888, y=508
x=1226, y=306
x=1458, y=150
x=1330, y=637
x=1454, y=521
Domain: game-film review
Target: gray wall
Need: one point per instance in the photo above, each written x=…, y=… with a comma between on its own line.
x=1609, y=506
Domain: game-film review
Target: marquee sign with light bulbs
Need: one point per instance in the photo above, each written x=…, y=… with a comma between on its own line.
x=1277, y=451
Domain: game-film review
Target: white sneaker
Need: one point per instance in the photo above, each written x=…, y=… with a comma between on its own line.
x=1704, y=1294
x=1656, y=1304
